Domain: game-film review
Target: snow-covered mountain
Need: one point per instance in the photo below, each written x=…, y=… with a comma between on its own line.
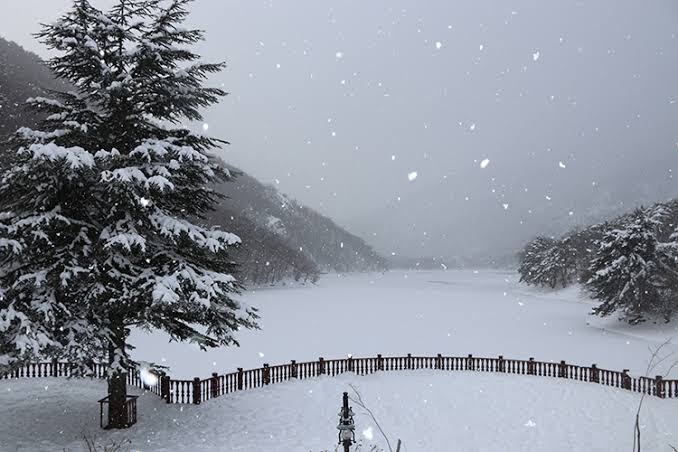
x=282, y=239
x=277, y=229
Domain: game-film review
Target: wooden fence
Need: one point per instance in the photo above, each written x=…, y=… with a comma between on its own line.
x=60, y=369
x=199, y=390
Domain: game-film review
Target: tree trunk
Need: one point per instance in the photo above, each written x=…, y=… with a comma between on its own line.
x=117, y=385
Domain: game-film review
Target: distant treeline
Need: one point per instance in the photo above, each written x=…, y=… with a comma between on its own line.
x=629, y=264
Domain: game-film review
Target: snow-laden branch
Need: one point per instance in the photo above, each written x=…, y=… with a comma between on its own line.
x=213, y=240
x=76, y=157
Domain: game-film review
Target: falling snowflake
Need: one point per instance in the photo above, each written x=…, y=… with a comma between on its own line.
x=205, y=127
x=339, y=55
x=561, y=164
x=530, y=424
x=439, y=45
x=412, y=176
x=261, y=355
x=472, y=127
x=484, y=163
x=148, y=377
x=367, y=433
x=535, y=55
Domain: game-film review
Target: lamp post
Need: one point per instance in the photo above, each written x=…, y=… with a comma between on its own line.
x=346, y=425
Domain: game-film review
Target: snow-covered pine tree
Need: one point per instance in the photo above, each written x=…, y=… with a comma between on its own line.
x=101, y=209
x=631, y=271
x=669, y=252
x=548, y=262
x=531, y=257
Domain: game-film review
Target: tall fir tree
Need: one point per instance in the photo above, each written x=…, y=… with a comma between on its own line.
x=101, y=210
x=632, y=272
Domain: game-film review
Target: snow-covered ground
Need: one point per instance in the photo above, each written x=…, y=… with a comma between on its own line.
x=484, y=312
x=431, y=411
x=454, y=313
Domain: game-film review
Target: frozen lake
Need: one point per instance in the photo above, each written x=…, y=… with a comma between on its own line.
x=483, y=312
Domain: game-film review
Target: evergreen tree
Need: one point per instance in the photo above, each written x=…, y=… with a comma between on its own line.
x=631, y=271
x=548, y=262
x=101, y=210
x=584, y=243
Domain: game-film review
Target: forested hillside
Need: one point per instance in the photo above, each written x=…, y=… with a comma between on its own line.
x=286, y=239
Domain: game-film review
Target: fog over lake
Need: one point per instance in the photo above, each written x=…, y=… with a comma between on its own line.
x=441, y=128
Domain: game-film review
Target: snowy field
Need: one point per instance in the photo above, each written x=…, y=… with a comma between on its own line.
x=486, y=313
x=430, y=411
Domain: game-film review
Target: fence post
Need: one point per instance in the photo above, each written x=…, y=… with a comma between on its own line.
x=54, y=368
x=240, y=378
x=439, y=361
x=626, y=379
x=350, y=363
x=409, y=361
x=659, y=382
x=469, y=362
x=293, y=369
x=165, y=388
x=267, y=374
x=501, y=364
x=214, y=385
x=380, y=362
x=530, y=367
x=562, y=370
x=321, y=365
x=196, y=391
x=595, y=376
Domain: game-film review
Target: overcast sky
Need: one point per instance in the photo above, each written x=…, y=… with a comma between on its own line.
x=573, y=106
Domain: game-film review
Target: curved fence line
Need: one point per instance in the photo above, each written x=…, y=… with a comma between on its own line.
x=198, y=390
